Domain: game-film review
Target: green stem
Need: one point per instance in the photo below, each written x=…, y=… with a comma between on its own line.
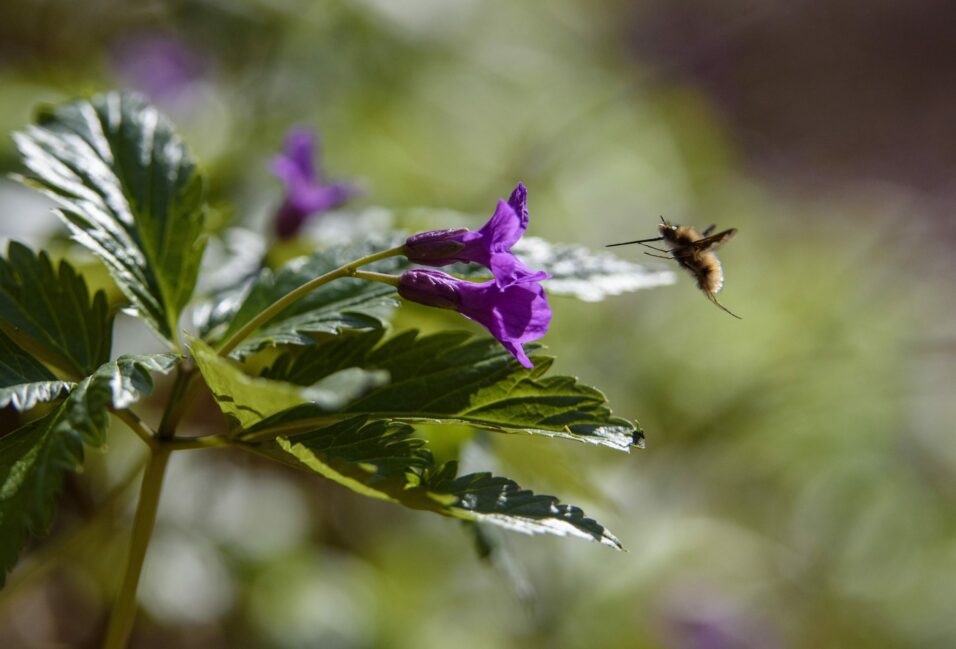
x=180, y=398
x=348, y=270
x=124, y=611
x=137, y=425
x=377, y=277
x=188, y=443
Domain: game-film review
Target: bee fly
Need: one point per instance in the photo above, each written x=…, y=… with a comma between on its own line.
x=693, y=251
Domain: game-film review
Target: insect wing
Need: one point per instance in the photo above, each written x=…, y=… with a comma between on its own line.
x=714, y=241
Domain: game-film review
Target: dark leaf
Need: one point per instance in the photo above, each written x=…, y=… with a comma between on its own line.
x=34, y=458
x=451, y=377
x=48, y=312
x=382, y=460
x=23, y=381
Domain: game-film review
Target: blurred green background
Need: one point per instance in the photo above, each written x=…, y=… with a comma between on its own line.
x=798, y=487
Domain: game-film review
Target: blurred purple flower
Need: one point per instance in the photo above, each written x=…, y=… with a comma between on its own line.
x=697, y=617
x=160, y=66
x=515, y=314
x=490, y=246
x=306, y=191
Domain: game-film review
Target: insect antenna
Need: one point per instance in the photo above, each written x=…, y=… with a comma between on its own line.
x=713, y=299
x=627, y=243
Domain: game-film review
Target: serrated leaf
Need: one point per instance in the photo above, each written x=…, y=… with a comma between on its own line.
x=34, y=458
x=451, y=377
x=246, y=400
x=585, y=274
x=24, y=382
x=381, y=460
x=48, y=312
x=484, y=498
x=128, y=190
x=330, y=309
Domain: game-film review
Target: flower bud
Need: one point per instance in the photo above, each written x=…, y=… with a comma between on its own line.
x=429, y=287
x=435, y=245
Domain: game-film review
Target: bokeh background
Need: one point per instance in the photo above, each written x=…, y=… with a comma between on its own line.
x=798, y=485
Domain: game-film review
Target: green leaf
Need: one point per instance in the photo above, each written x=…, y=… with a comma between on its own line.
x=381, y=460
x=246, y=400
x=117, y=384
x=34, y=458
x=330, y=309
x=23, y=381
x=585, y=274
x=48, y=313
x=128, y=190
x=451, y=377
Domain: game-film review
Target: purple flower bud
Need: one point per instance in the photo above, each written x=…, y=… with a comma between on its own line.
x=490, y=246
x=306, y=192
x=430, y=287
x=435, y=245
x=515, y=314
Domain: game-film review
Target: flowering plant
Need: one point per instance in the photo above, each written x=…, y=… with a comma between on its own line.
x=298, y=359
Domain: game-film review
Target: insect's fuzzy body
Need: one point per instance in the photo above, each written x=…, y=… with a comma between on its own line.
x=694, y=252
x=701, y=262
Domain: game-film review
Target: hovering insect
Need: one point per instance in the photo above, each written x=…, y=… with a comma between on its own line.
x=693, y=251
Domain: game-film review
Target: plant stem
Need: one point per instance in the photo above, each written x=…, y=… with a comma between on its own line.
x=187, y=443
x=137, y=425
x=180, y=398
x=348, y=270
x=124, y=611
x=376, y=277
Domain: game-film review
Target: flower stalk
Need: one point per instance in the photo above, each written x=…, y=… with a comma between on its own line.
x=348, y=270
x=124, y=611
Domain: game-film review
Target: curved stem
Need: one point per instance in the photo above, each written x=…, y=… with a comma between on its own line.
x=137, y=425
x=348, y=270
x=124, y=611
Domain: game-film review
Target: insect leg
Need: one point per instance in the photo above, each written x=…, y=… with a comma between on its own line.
x=655, y=248
x=710, y=228
x=713, y=299
x=651, y=254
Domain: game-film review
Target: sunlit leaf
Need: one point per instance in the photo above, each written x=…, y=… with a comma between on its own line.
x=585, y=274
x=339, y=305
x=246, y=400
x=128, y=190
x=381, y=460
x=451, y=377
x=577, y=271
x=48, y=312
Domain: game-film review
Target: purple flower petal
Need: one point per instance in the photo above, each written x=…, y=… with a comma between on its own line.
x=515, y=314
x=490, y=246
x=306, y=194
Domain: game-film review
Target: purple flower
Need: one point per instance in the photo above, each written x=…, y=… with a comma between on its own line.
x=490, y=246
x=515, y=314
x=306, y=192
x=161, y=66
